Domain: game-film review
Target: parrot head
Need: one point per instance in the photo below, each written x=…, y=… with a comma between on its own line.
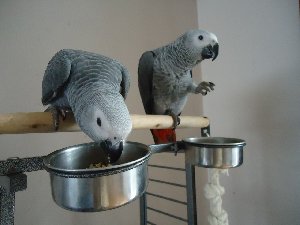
x=109, y=123
x=201, y=44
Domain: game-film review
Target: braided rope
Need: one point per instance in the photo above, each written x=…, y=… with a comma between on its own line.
x=213, y=191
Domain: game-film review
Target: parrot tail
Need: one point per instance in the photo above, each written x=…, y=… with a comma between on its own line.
x=161, y=136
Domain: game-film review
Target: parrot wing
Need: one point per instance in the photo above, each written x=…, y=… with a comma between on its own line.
x=125, y=83
x=145, y=80
x=55, y=78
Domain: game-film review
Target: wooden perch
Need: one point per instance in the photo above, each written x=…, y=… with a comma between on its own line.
x=42, y=122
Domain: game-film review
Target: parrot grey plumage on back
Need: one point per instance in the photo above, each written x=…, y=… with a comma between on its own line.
x=94, y=88
x=165, y=76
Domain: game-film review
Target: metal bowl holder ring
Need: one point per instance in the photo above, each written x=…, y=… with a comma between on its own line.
x=77, y=187
x=112, y=187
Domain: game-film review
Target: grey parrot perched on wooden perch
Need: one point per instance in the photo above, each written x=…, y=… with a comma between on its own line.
x=165, y=76
x=94, y=88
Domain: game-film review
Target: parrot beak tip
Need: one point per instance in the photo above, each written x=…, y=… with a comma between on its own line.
x=113, y=151
x=210, y=52
x=215, y=51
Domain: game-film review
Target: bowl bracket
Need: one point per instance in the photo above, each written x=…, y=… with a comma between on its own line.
x=13, y=179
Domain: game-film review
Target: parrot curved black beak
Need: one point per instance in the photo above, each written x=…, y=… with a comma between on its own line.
x=210, y=52
x=113, y=151
x=215, y=51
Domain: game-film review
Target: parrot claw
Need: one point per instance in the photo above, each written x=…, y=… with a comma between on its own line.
x=56, y=113
x=175, y=148
x=204, y=87
x=176, y=119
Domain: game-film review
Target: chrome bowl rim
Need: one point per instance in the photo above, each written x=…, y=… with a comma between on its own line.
x=94, y=171
x=213, y=142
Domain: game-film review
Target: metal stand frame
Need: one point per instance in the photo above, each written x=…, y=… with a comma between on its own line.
x=13, y=179
x=191, y=194
x=190, y=186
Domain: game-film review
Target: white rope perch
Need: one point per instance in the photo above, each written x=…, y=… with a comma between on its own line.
x=213, y=191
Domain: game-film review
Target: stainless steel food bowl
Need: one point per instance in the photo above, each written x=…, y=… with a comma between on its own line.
x=214, y=152
x=77, y=187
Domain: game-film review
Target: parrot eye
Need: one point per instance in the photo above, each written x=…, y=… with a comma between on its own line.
x=200, y=37
x=99, y=122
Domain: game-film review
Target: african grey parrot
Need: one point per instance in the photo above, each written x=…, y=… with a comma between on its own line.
x=165, y=76
x=93, y=87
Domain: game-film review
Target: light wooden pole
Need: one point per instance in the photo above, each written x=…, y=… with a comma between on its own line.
x=42, y=122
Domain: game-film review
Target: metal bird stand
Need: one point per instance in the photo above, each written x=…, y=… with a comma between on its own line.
x=222, y=153
x=13, y=179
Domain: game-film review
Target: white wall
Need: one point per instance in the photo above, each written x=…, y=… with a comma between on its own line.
x=257, y=98
x=31, y=32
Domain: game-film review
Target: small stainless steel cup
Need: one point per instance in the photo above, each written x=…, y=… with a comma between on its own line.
x=214, y=152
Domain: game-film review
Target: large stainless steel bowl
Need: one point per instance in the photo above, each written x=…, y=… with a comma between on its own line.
x=214, y=152
x=76, y=187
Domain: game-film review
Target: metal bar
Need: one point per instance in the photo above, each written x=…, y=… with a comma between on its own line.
x=166, y=167
x=166, y=198
x=169, y=183
x=143, y=209
x=148, y=222
x=167, y=214
x=13, y=182
x=191, y=194
x=176, y=147
x=7, y=207
x=159, y=148
x=20, y=165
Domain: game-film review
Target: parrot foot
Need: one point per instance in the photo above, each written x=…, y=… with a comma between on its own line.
x=204, y=87
x=56, y=113
x=175, y=148
x=176, y=119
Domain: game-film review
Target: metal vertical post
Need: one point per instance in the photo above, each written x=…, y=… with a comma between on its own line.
x=7, y=207
x=12, y=179
x=9, y=185
x=191, y=194
x=143, y=209
x=191, y=186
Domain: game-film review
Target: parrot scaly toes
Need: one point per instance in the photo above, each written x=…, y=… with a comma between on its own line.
x=204, y=87
x=62, y=113
x=56, y=113
x=211, y=85
x=175, y=148
x=55, y=117
x=176, y=119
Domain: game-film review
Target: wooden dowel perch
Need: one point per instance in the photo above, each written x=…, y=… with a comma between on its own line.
x=42, y=122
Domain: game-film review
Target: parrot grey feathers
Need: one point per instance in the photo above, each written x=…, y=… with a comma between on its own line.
x=94, y=88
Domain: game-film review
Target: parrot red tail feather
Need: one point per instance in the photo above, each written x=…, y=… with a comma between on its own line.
x=162, y=136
